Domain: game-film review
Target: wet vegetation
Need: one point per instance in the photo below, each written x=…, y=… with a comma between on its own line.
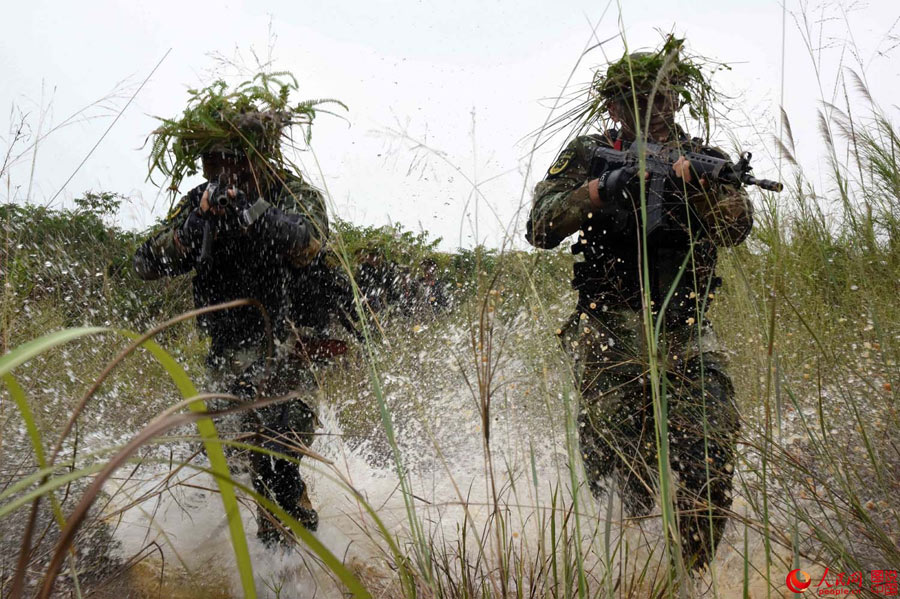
x=447, y=462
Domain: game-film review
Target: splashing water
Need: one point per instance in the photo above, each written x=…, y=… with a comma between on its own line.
x=441, y=442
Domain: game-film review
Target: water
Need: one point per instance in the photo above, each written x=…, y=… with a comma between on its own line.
x=441, y=443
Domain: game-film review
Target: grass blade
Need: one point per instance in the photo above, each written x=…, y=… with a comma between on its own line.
x=217, y=462
x=26, y=351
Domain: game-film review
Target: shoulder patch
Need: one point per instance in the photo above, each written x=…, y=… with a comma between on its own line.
x=175, y=211
x=562, y=162
x=180, y=208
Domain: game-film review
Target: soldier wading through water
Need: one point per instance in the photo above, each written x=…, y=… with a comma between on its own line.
x=586, y=195
x=254, y=230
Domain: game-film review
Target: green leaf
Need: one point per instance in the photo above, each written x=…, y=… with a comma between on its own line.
x=217, y=461
x=26, y=351
x=18, y=396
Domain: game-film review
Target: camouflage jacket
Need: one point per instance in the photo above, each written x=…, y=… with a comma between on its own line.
x=609, y=235
x=271, y=260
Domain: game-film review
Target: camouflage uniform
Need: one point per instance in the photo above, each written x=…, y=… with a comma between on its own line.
x=383, y=283
x=277, y=261
x=606, y=336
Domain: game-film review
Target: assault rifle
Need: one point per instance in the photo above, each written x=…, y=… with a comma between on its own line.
x=659, y=160
x=218, y=198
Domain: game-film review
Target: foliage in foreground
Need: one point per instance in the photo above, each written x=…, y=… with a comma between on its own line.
x=809, y=311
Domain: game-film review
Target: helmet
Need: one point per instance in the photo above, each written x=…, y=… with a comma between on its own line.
x=251, y=120
x=665, y=70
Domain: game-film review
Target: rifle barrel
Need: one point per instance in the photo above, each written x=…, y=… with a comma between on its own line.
x=765, y=183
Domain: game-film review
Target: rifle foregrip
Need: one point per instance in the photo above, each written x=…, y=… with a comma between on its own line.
x=206, y=244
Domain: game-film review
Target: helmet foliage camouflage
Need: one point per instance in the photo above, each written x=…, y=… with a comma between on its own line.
x=668, y=69
x=252, y=120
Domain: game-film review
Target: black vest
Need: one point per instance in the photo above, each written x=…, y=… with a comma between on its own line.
x=610, y=275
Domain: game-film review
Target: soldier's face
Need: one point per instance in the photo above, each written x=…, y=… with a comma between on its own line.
x=662, y=115
x=216, y=164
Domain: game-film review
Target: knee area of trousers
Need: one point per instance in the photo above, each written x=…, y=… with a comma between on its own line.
x=710, y=373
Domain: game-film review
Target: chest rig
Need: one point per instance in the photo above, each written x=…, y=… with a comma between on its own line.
x=680, y=258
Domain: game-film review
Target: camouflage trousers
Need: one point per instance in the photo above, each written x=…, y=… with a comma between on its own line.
x=617, y=432
x=286, y=428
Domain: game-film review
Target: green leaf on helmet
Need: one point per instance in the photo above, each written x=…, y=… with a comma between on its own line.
x=253, y=119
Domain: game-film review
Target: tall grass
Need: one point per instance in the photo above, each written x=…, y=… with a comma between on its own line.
x=809, y=311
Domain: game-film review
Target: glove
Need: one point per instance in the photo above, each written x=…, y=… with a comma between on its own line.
x=679, y=184
x=191, y=233
x=289, y=231
x=617, y=207
x=613, y=184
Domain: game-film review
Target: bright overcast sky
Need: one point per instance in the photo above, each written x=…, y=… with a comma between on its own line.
x=470, y=79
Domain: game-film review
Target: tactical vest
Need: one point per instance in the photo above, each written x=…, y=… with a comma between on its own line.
x=244, y=266
x=610, y=275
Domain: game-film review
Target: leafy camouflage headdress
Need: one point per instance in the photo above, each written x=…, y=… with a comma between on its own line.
x=252, y=119
x=668, y=69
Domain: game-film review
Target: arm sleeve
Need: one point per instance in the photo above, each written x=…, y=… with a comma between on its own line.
x=162, y=255
x=561, y=200
x=296, y=222
x=725, y=210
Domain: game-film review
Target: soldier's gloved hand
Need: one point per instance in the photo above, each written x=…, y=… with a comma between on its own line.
x=685, y=176
x=289, y=231
x=191, y=233
x=611, y=200
x=612, y=185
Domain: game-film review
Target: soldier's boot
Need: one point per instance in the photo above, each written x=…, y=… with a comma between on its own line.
x=271, y=535
x=305, y=513
x=701, y=526
x=279, y=481
x=266, y=530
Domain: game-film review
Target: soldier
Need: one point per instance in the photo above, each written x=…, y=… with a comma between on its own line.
x=382, y=282
x=433, y=289
x=606, y=336
x=255, y=230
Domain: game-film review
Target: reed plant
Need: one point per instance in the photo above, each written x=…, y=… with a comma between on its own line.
x=473, y=416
